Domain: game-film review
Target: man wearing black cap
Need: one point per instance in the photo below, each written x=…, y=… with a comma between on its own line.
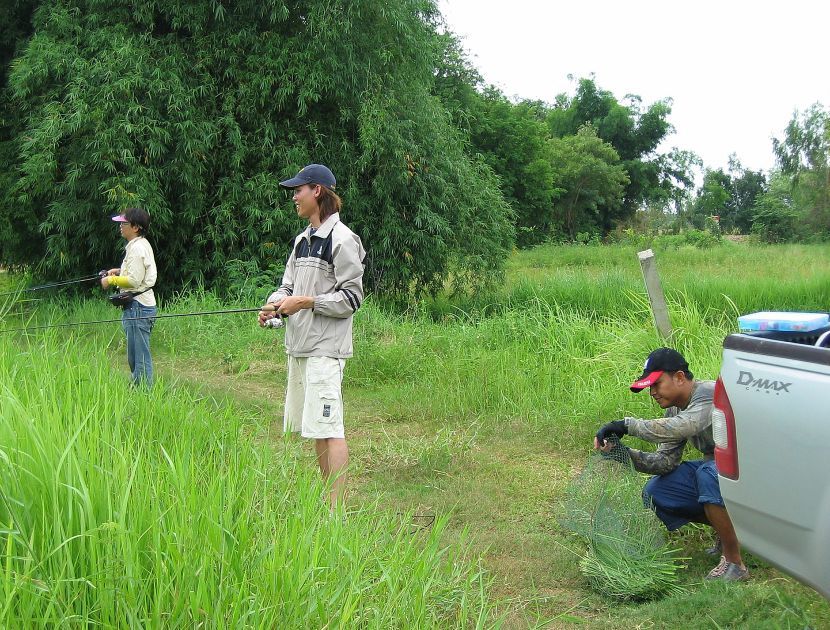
x=321, y=289
x=680, y=491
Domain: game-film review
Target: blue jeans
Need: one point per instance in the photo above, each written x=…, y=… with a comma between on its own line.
x=138, y=341
x=679, y=496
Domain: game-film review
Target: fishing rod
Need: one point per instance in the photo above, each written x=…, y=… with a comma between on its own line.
x=277, y=321
x=51, y=285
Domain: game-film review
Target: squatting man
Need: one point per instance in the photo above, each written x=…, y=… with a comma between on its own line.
x=680, y=492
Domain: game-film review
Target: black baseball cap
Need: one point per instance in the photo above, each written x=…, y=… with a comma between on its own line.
x=312, y=174
x=659, y=361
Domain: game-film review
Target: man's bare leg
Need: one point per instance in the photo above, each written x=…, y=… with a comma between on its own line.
x=333, y=458
x=719, y=519
x=322, y=448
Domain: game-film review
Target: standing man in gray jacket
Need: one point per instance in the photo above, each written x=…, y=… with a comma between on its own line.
x=680, y=491
x=321, y=289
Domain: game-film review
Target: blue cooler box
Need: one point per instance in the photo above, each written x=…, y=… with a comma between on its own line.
x=784, y=322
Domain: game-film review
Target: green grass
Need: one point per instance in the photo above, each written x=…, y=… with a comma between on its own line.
x=476, y=409
x=598, y=279
x=167, y=509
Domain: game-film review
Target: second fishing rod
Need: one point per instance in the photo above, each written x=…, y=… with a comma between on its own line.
x=52, y=285
x=278, y=321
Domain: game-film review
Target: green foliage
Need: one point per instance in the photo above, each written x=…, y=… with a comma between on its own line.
x=774, y=222
x=635, y=134
x=509, y=137
x=457, y=82
x=548, y=197
x=745, y=188
x=711, y=198
x=804, y=157
x=15, y=29
x=18, y=227
x=626, y=555
x=588, y=170
x=806, y=142
x=729, y=196
x=775, y=218
x=512, y=140
x=246, y=282
x=701, y=239
x=168, y=509
x=793, y=205
x=195, y=111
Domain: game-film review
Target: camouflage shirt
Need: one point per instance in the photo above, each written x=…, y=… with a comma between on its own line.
x=670, y=433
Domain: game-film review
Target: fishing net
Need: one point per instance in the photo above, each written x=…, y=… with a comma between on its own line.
x=625, y=555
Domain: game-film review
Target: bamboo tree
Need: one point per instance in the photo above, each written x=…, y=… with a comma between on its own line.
x=196, y=111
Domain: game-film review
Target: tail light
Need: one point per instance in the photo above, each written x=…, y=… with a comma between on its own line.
x=723, y=431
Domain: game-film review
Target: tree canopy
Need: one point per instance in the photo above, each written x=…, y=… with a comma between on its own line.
x=515, y=139
x=803, y=156
x=634, y=132
x=197, y=110
x=593, y=180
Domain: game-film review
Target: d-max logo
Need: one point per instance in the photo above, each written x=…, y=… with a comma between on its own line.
x=762, y=384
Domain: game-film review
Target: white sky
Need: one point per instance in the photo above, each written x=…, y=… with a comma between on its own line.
x=735, y=69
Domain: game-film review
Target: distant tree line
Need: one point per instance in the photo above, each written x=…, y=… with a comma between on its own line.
x=196, y=110
x=791, y=204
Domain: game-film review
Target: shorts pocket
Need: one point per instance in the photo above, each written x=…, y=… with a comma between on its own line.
x=329, y=407
x=323, y=398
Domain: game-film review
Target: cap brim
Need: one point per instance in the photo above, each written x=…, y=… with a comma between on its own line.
x=120, y=219
x=646, y=381
x=293, y=182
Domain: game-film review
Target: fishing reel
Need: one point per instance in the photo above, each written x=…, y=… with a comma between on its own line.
x=276, y=322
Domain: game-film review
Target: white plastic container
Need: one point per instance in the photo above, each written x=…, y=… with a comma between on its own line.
x=785, y=322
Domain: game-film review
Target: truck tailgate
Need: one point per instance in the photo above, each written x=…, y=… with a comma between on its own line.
x=780, y=503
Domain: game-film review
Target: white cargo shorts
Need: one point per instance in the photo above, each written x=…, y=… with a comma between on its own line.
x=313, y=398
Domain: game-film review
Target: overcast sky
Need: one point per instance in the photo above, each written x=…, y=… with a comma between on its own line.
x=736, y=70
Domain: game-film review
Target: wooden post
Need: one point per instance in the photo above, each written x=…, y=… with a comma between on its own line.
x=655, y=293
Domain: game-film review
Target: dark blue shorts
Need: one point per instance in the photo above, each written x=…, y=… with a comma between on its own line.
x=679, y=496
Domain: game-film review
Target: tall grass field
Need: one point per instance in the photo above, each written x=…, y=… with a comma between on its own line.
x=125, y=508
x=468, y=416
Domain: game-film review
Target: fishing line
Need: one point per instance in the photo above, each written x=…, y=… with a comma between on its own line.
x=133, y=319
x=54, y=284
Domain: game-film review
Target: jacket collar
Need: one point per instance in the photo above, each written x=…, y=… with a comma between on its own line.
x=326, y=227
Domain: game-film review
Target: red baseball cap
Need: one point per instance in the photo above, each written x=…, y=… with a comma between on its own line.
x=659, y=361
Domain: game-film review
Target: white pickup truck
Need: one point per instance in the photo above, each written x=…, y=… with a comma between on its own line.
x=770, y=424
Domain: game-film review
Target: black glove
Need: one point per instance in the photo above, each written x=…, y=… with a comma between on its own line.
x=617, y=428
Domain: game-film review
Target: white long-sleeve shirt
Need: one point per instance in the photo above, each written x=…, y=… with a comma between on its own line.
x=138, y=271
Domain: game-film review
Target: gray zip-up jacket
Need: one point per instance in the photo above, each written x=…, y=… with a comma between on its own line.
x=328, y=266
x=694, y=423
